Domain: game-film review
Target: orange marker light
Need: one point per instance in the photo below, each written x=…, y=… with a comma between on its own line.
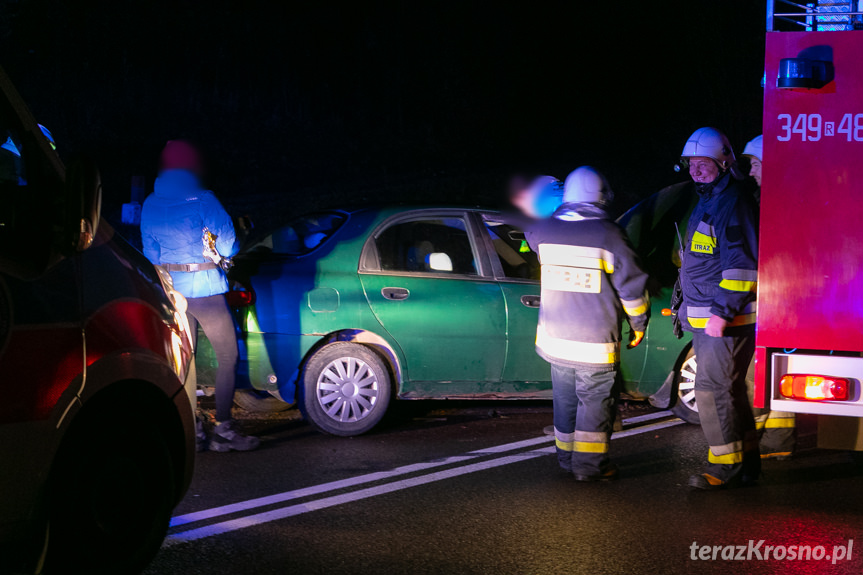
x=667, y=312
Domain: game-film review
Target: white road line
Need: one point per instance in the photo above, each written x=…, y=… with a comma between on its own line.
x=647, y=417
x=370, y=477
x=350, y=482
x=298, y=509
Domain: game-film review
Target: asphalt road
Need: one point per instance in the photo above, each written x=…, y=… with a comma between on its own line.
x=473, y=488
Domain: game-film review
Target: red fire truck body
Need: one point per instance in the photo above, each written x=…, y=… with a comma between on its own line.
x=810, y=291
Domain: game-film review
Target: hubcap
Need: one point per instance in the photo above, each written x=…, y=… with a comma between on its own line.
x=347, y=389
x=686, y=385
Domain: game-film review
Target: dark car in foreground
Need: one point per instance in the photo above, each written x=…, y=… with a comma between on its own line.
x=343, y=311
x=96, y=424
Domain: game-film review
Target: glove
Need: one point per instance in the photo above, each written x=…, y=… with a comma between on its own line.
x=636, y=336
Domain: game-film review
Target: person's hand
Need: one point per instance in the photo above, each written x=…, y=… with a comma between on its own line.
x=637, y=336
x=715, y=326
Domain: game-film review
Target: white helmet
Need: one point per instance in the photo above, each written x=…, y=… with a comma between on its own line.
x=710, y=143
x=585, y=184
x=753, y=148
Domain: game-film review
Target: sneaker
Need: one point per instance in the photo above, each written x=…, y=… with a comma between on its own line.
x=200, y=436
x=226, y=438
x=608, y=475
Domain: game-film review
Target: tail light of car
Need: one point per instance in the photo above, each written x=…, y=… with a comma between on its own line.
x=240, y=296
x=814, y=387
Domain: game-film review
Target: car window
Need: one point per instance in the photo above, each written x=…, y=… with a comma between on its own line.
x=29, y=198
x=432, y=245
x=303, y=235
x=516, y=258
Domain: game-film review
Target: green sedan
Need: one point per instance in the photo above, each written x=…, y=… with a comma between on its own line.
x=345, y=311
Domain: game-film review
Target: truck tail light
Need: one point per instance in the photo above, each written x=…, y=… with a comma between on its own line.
x=240, y=296
x=814, y=387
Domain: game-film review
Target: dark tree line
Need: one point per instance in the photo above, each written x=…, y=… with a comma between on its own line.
x=335, y=103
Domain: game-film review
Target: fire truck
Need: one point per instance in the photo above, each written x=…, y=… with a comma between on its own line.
x=809, y=354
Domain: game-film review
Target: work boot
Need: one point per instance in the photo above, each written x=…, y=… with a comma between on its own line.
x=707, y=482
x=609, y=474
x=777, y=455
x=226, y=438
x=200, y=436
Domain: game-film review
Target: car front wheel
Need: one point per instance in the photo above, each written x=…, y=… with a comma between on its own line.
x=112, y=492
x=346, y=389
x=685, y=407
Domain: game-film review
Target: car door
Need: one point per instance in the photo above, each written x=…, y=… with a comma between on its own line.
x=517, y=270
x=429, y=287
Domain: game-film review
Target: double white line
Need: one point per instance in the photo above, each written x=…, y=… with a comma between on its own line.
x=194, y=533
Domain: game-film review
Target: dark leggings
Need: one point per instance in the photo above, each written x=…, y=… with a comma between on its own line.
x=215, y=317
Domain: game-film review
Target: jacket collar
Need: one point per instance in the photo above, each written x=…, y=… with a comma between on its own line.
x=177, y=184
x=715, y=187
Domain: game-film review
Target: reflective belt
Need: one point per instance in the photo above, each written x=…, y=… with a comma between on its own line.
x=727, y=454
x=698, y=316
x=190, y=267
x=636, y=307
x=578, y=351
x=739, y=280
x=576, y=256
x=582, y=441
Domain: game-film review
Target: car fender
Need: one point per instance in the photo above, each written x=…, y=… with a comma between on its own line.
x=383, y=347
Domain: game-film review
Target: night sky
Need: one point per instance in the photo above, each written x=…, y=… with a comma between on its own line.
x=437, y=102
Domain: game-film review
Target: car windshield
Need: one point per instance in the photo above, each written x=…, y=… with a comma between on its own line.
x=301, y=236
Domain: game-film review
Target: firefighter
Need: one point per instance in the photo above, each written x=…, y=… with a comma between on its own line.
x=173, y=220
x=718, y=277
x=591, y=277
x=775, y=428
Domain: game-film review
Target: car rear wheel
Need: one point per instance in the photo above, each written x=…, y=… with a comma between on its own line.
x=345, y=389
x=259, y=401
x=112, y=492
x=685, y=407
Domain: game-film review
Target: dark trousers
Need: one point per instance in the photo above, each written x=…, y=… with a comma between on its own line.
x=723, y=404
x=218, y=324
x=584, y=406
x=777, y=431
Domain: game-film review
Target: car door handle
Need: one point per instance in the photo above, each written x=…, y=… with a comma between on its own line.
x=530, y=300
x=395, y=294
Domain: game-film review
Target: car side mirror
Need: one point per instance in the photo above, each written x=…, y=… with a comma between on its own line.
x=83, y=206
x=439, y=262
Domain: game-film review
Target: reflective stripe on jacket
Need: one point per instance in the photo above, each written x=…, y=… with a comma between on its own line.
x=720, y=268
x=172, y=224
x=591, y=280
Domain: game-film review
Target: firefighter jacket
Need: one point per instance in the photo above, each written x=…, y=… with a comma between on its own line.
x=719, y=273
x=591, y=279
x=172, y=225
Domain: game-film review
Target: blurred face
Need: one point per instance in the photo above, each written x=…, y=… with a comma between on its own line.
x=755, y=170
x=703, y=170
x=525, y=201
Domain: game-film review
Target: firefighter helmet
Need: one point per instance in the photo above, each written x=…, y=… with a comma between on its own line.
x=753, y=148
x=585, y=184
x=710, y=143
x=547, y=195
